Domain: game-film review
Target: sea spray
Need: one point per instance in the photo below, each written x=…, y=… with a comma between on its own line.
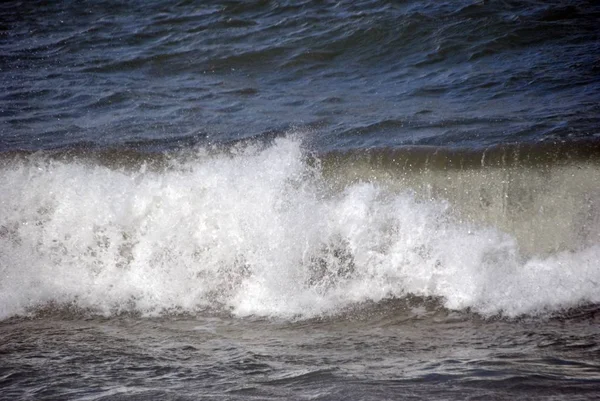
x=257, y=231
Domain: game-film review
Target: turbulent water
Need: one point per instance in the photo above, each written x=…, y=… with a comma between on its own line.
x=299, y=200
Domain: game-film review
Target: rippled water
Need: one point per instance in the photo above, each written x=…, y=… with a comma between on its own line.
x=299, y=200
x=355, y=73
x=392, y=352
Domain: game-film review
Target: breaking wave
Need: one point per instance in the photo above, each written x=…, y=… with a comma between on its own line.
x=273, y=231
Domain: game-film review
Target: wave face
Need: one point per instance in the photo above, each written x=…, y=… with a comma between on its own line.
x=271, y=231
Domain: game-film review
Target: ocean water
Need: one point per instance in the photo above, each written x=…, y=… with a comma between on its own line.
x=368, y=200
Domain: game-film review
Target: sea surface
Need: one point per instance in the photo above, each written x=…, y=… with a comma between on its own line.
x=299, y=200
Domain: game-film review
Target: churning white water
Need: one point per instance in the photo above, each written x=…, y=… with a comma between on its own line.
x=257, y=231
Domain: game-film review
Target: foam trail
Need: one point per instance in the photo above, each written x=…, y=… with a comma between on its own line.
x=256, y=232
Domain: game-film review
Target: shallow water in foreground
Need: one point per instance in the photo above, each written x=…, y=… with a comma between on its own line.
x=404, y=349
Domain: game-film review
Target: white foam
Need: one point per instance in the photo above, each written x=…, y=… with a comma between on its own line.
x=258, y=234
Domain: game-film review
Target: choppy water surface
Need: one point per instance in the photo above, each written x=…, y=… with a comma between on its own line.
x=395, y=351
x=299, y=200
x=356, y=73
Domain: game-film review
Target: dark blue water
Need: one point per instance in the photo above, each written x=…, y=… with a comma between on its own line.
x=354, y=74
x=299, y=200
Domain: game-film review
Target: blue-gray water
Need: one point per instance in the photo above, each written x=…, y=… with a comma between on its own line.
x=356, y=74
x=299, y=200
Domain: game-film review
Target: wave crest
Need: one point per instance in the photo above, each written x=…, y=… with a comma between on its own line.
x=257, y=231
